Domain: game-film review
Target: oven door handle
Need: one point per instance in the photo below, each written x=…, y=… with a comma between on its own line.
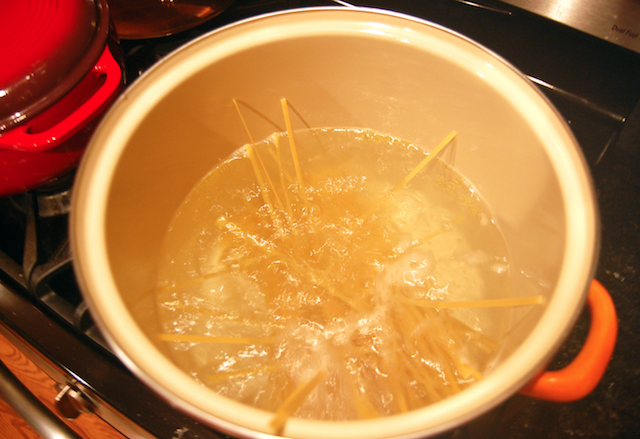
x=31, y=409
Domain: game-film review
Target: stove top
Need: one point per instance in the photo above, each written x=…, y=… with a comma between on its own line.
x=594, y=84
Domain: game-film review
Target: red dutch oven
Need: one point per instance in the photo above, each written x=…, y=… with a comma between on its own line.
x=58, y=77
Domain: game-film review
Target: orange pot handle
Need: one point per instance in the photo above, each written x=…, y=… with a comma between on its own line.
x=583, y=374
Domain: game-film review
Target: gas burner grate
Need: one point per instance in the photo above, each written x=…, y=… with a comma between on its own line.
x=35, y=256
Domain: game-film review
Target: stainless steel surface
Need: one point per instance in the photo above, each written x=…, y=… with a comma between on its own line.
x=34, y=412
x=617, y=21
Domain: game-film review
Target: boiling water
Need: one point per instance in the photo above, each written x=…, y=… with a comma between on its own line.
x=325, y=279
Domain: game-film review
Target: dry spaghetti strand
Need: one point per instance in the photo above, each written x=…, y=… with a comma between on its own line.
x=189, y=338
x=294, y=152
x=446, y=141
x=258, y=170
x=294, y=401
x=222, y=376
x=490, y=303
x=283, y=183
x=424, y=350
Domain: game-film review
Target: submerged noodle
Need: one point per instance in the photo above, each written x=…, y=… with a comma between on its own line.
x=325, y=292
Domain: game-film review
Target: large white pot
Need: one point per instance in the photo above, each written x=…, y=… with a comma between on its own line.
x=338, y=67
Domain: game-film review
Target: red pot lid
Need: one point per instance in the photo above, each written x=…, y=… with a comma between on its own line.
x=46, y=48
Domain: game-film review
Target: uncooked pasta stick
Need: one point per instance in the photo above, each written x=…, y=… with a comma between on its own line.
x=359, y=397
x=283, y=183
x=419, y=357
x=319, y=279
x=465, y=370
x=190, y=338
x=394, y=385
x=362, y=404
x=422, y=375
x=256, y=164
x=294, y=401
x=236, y=230
x=418, y=242
x=294, y=152
x=446, y=141
x=223, y=376
x=483, y=342
x=269, y=181
x=190, y=281
x=223, y=316
x=488, y=303
x=444, y=354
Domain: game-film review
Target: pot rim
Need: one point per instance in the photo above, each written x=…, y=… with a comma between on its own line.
x=87, y=236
